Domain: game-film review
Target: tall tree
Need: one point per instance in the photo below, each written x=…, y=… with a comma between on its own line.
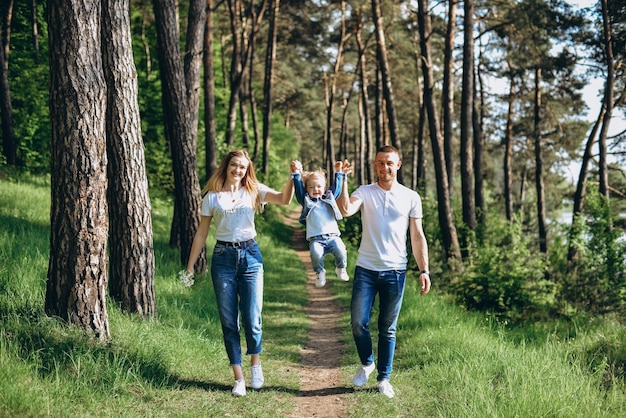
x=446, y=221
x=194, y=47
x=581, y=185
x=508, y=151
x=77, y=271
x=448, y=92
x=9, y=141
x=178, y=130
x=210, y=140
x=609, y=87
x=131, y=251
x=477, y=124
x=331, y=92
x=467, y=110
x=539, y=180
x=268, y=84
x=365, y=143
x=385, y=73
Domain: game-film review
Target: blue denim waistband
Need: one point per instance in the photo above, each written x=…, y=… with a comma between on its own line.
x=323, y=236
x=240, y=244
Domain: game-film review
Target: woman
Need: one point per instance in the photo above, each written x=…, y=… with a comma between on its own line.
x=231, y=198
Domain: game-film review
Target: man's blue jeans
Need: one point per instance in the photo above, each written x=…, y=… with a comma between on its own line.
x=390, y=288
x=237, y=275
x=321, y=245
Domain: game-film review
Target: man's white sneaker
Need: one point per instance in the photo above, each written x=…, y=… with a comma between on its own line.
x=257, y=377
x=385, y=388
x=342, y=274
x=240, y=388
x=320, y=280
x=361, y=376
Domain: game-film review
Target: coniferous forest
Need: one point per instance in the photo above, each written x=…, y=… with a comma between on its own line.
x=124, y=101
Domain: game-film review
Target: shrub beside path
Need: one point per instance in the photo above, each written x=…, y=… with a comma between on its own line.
x=321, y=391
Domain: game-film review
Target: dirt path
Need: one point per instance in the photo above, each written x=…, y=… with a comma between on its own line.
x=321, y=391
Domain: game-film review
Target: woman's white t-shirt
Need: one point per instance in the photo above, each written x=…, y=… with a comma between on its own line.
x=385, y=218
x=233, y=214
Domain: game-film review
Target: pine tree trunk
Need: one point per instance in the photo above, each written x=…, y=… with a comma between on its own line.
x=385, y=74
x=467, y=110
x=236, y=70
x=446, y=223
x=77, y=271
x=448, y=92
x=9, y=142
x=268, y=85
x=178, y=130
x=209, y=96
x=364, y=162
x=131, y=251
x=609, y=86
x=194, y=46
x=508, y=151
x=539, y=183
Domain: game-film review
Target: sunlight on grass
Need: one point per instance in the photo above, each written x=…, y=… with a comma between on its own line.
x=448, y=362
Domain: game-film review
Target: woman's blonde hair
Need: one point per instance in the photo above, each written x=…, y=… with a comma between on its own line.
x=249, y=181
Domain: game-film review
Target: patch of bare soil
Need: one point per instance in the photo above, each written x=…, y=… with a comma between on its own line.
x=321, y=393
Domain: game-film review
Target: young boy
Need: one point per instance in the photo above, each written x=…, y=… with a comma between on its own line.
x=320, y=215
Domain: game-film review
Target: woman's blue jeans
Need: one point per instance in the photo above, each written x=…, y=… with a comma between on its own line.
x=238, y=283
x=327, y=244
x=390, y=288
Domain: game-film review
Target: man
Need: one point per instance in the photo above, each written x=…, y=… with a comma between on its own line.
x=388, y=211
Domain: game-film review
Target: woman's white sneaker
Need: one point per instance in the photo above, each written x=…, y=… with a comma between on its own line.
x=240, y=388
x=385, y=388
x=257, y=377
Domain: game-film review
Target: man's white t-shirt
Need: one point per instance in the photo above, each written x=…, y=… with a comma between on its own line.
x=385, y=219
x=233, y=214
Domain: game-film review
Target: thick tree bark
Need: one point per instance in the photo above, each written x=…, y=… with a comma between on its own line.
x=268, y=85
x=77, y=271
x=539, y=183
x=385, y=72
x=178, y=130
x=446, y=223
x=448, y=92
x=131, y=251
x=9, y=141
x=467, y=110
x=210, y=139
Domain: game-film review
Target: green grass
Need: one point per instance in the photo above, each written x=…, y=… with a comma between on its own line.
x=448, y=363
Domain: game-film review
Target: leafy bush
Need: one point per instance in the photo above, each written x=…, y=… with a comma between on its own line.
x=506, y=278
x=596, y=280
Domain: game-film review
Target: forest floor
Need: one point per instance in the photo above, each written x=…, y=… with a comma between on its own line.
x=322, y=392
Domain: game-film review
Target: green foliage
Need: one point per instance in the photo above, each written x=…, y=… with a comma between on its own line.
x=596, y=282
x=28, y=82
x=506, y=278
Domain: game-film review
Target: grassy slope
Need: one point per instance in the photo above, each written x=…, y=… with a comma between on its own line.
x=448, y=362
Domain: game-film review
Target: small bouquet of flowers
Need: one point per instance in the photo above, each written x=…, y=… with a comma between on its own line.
x=186, y=278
